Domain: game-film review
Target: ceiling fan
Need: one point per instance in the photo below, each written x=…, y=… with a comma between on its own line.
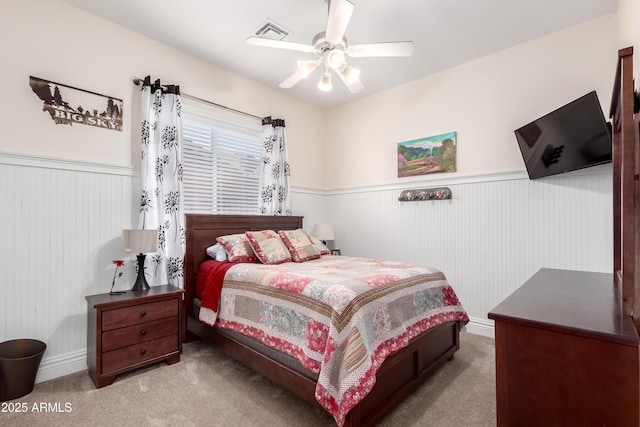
x=331, y=48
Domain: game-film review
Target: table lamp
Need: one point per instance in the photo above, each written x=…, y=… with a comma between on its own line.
x=323, y=232
x=140, y=242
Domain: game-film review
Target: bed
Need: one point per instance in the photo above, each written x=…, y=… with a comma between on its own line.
x=400, y=373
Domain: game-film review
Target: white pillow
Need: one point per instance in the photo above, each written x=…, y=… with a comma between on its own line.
x=217, y=252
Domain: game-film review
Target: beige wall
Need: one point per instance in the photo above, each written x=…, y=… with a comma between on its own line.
x=349, y=146
x=628, y=28
x=483, y=100
x=57, y=42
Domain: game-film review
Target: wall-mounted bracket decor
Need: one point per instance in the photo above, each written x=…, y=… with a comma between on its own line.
x=68, y=105
x=440, y=193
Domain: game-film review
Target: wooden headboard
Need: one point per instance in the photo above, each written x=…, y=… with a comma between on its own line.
x=202, y=230
x=626, y=187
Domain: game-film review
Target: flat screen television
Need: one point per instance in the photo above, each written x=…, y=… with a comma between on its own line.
x=574, y=136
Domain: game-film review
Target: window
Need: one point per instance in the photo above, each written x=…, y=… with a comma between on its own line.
x=222, y=153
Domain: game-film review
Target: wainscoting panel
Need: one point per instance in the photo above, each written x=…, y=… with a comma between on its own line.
x=61, y=225
x=490, y=237
x=311, y=204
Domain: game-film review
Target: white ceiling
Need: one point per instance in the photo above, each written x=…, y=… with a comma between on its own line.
x=445, y=32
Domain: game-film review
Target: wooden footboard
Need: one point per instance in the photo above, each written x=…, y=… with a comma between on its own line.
x=404, y=371
x=398, y=376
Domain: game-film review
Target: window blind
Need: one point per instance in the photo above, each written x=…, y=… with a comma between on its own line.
x=221, y=162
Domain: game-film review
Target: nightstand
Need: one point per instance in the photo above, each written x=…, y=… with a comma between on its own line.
x=132, y=330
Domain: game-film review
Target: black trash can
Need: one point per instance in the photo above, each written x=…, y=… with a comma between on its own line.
x=19, y=362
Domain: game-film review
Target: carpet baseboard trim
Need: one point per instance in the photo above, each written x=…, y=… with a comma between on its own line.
x=62, y=365
x=483, y=327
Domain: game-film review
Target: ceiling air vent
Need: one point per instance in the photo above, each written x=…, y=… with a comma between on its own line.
x=270, y=30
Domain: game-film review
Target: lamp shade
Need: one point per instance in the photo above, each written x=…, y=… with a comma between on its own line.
x=140, y=241
x=325, y=82
x=323, y=232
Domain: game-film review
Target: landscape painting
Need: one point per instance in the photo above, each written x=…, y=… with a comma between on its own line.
x=427, y=155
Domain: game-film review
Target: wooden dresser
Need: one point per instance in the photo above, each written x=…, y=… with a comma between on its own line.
x=135, y=329
x=565, y=353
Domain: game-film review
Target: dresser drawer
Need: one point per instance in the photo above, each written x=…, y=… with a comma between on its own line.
x=128, y=316
x=117, y=338
x=128, y=356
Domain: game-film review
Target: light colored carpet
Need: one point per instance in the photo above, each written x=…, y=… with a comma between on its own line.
x=207, y=388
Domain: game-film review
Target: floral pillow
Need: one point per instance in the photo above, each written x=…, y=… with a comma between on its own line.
x=237, y=247
x=268, y=247
x=299, y=244
x=320, y=247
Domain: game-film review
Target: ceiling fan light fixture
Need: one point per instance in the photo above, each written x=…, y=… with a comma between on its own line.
x=330, y=49
x=350, y=74
x=306, y=67
x=335, y=58
x=325, y=82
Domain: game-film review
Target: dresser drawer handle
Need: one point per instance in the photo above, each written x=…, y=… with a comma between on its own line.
x=143, y=352
x=143, y=332
x=143, y=313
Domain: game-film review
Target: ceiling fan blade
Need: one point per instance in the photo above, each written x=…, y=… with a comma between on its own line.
x=291, y=80
x=353, y=83
x=259, y=41
x=381, y=49
x=304, y=69
x=340, y=12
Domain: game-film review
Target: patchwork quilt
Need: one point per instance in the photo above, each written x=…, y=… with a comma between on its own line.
x=340, y=316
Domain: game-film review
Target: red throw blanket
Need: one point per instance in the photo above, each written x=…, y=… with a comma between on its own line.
x=209, y=286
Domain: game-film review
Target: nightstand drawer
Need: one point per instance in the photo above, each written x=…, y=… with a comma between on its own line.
x=121, y=317
x=133, y=329
x=128, y=356
x=136, y=334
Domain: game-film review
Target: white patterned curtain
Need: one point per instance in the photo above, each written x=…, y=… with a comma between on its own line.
x=161, y=205
x=275, y=196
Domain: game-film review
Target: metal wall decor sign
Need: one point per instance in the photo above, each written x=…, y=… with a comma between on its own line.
x=68, y=105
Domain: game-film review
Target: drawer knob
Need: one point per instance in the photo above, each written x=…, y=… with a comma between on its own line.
x=143, y=313
x=143, y=351
x=143, y=332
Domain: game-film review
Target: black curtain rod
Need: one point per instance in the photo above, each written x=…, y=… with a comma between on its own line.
x=138, y=82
